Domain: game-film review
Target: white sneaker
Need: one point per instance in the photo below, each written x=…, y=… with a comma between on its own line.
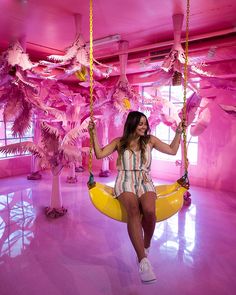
x=146, y=251
x=146, y=273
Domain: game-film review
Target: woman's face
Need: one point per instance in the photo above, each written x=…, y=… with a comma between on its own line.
x=142, y=127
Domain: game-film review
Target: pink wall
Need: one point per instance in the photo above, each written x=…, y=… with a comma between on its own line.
x=15, y=166
x=217, y=152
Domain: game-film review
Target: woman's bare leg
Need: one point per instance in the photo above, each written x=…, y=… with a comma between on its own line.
x=147, y=201
x=134, y=226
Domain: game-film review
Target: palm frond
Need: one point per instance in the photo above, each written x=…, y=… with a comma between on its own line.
x=119, y=107
x=99, y=104
x=22, y=147
x=5, y=79
x=16, y=56
x=70, y=52
x=59, y=115
x=3, y=98
x=64, y=58
x=25, y=62
x=82, y=57
x=50, y=138
x=13, y=107
x=70, y=153
x=48, y=130
x=73, y=70
x=25, y=80
x=23, y=121
x=85, y=150
x=109, y=70
x=44, y=163
x=76, y=132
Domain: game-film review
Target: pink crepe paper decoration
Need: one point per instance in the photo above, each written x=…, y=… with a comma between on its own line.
x=220, y=83
x=229, y=109
x=202, y=122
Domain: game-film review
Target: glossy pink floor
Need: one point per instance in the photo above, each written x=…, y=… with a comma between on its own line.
x=85, y=253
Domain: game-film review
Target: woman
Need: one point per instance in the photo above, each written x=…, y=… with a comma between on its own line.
x=134, y=187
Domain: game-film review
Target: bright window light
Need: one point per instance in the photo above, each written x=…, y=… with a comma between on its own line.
x=6, y=137
x=174, y=98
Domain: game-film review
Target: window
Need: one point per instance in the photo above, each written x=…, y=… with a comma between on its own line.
x=6, y=137
x=173, y=98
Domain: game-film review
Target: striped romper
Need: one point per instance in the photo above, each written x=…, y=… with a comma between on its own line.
x=133, y=175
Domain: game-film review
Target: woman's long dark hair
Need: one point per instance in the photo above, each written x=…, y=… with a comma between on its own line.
x=130, y=126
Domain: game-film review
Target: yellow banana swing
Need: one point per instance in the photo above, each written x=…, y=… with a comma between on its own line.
x=170, y=198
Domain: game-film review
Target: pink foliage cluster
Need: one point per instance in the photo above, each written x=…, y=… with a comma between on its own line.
x=75, y=59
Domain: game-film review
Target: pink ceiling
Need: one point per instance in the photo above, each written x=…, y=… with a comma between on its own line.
x=49, y=25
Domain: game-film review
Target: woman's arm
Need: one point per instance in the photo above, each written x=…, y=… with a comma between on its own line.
x=107, y=149
x=163, y=147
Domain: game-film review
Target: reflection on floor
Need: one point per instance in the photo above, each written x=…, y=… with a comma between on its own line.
x=86, y=253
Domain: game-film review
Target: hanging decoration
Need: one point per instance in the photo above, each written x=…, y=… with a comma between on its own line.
x=175, y=60
x=75, y=61
x=19, y=94
x=125, y=98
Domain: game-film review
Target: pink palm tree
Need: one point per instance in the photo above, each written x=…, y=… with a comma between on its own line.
x=56, y=150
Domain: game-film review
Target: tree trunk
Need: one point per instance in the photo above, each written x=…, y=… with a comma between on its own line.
x=56, y=200
x=105, y=164
x=56, y=209
x=71, y=178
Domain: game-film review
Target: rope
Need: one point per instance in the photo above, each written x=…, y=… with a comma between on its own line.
x=185, y=177
x=91, y=182
x=184, y=180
